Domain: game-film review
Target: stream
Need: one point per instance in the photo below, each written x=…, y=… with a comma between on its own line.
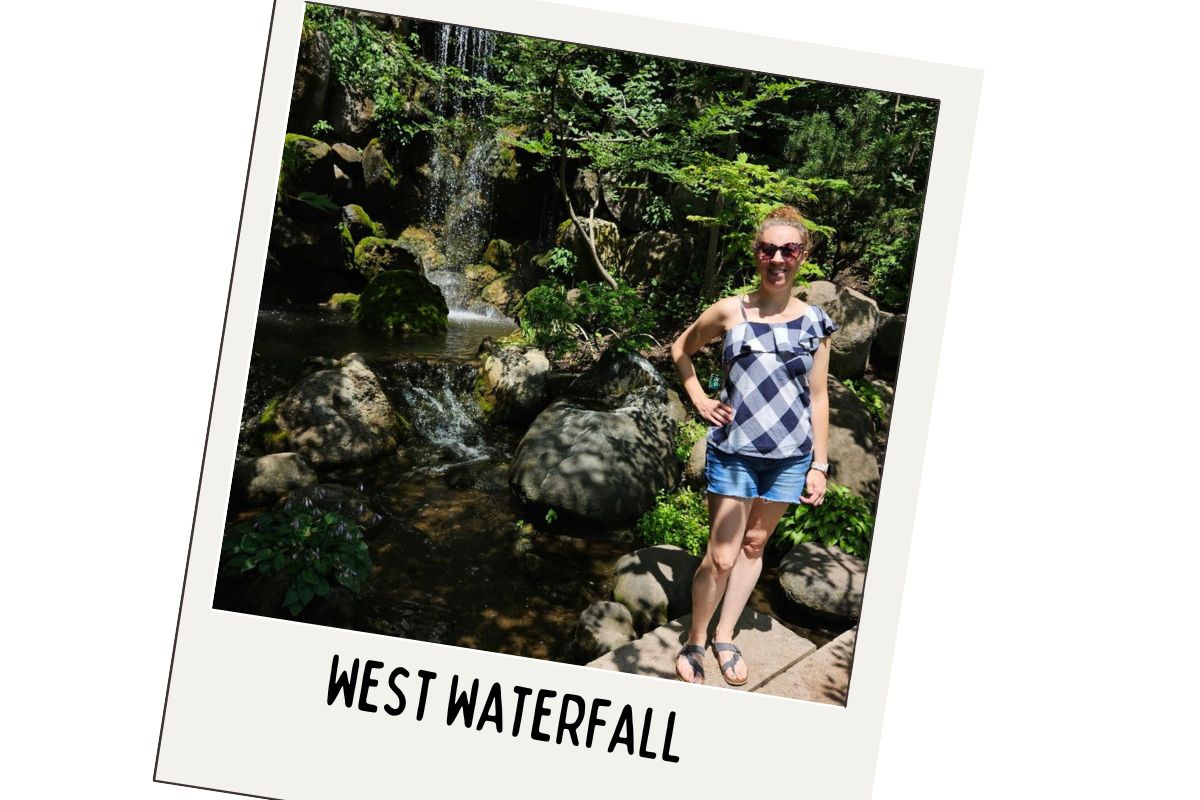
x=450, y=563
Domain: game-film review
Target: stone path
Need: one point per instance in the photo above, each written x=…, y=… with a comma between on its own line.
x=781, y=663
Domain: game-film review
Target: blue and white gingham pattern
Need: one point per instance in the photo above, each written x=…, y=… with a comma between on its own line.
x=766, y=384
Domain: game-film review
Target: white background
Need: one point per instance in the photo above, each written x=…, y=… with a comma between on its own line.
x=1038, y=653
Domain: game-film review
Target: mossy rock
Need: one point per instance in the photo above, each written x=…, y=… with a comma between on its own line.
x=270, y=438
x=373, y=255
x=306, y=163
x=608, y=247
x=422, y=244
x=343, y=301
x=358, y=223
x=479, y=276
x=402, y=301
x=501, y=294
x=378, y=172
x=501, y=255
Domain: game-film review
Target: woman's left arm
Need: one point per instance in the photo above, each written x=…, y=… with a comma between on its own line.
x=818, y=388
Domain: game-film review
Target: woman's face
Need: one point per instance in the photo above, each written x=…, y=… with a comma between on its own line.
x=779, y=251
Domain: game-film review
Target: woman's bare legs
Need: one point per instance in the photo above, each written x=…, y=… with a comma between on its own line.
x=727, y=521
x=764, y=516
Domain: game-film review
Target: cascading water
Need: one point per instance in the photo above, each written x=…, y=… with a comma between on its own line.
x=435, y=396
x=461, y=183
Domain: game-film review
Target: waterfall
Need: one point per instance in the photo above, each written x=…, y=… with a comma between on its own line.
x=436, y=397
x=460, y=181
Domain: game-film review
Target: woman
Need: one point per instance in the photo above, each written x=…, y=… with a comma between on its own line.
x=769, y=435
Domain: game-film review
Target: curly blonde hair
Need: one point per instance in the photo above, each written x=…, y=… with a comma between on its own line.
x=785, y=215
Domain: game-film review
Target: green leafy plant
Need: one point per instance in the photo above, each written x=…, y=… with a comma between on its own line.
x=314, y=548
x=321, y=127
x=686, y=436
x=843, y=520
x=551, y=515
x=548, y=320
x=868, y=395
x=680, y=519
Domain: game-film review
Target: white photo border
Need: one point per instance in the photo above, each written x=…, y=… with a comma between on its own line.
x=246, y=708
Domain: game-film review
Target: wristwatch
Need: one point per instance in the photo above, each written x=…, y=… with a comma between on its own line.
x=820, y=467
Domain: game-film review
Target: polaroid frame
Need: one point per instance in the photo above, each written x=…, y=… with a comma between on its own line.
x=247, y=706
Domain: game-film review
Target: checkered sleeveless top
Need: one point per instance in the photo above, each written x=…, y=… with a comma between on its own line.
x=766, y=367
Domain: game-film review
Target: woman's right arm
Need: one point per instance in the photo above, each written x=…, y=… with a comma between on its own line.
x=707, y=326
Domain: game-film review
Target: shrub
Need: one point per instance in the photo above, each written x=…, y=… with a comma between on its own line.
x=548, y=320
x=680, y=519
x=844, y=519
x=314, y=548
x=686, y=436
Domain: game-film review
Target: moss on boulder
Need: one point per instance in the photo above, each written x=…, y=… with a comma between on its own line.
x=306, y=164
x=373, y=255
x=343, y=301
x=501, y=255
x=402, y=301
x=359, y=223
x=422, y=244
x=608, y=246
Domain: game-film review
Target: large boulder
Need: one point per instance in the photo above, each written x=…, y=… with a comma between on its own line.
x=615, y=375
x=852, y=442
x=512, y=383
x=308, y=165
x=501, y=255
x=650, y=254
x=608, y=247
x=259, y=481
x=889, y=335
x=823, y=579
x=604, y=450
x=655, y=584
x=422, y=244
x=603, y=627
x=380, y=178
x=478, y=276
x=339, y=416
x=311, y=83
x=373, y=256
x=351, y=113
x=402, y=301
x=857, y=317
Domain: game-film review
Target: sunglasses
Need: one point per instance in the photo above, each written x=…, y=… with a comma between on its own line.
x=791, y=251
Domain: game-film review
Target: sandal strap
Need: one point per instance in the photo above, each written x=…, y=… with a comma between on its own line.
x=689, y=653
x=721, y=647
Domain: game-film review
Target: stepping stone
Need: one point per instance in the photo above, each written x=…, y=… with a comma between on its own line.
x=823, y=677
x=768, y=647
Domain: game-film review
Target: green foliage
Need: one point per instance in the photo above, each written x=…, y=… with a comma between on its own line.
x=559, y=262
x=321, y=127
x=378, y=64
x=844, y=520
x=616, y=318
x=314, y=548
x=599, y=316
x=547, y=319
x=680, y=519
x=686, y=436
x=868, y=395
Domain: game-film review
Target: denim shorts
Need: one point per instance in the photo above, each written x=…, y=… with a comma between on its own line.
x=779, y=479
